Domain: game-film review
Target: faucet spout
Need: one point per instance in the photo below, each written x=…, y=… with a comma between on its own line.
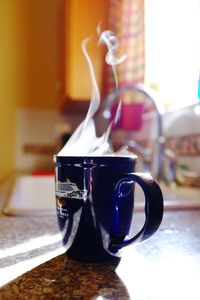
x=159, y=110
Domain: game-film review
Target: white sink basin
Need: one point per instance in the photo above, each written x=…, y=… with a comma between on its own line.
x=175, y=197
x=33, y=195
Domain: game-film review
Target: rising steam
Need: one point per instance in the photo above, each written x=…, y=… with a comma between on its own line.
x=84, y=141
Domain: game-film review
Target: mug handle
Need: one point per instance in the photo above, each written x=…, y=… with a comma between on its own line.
x=153, y=209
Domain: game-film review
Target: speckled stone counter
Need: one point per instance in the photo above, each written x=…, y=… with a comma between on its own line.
x=74, y=281
x=165, y=267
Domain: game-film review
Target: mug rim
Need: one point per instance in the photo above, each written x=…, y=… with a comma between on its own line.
x=133, y=156
x=100, y=158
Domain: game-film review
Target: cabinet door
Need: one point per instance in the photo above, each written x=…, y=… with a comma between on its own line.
x=81, y=19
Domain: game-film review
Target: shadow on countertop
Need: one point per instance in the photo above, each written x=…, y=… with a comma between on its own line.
x=63, y=278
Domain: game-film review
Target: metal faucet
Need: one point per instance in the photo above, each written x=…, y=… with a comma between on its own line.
x=147, y=154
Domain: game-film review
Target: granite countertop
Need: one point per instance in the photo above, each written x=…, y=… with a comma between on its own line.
x=165, y=267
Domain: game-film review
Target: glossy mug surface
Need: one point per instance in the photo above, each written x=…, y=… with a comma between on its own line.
x=95, y=205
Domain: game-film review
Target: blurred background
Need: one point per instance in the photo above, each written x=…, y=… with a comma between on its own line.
x=45, y=86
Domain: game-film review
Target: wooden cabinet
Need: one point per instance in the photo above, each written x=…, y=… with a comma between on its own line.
x=81, y=21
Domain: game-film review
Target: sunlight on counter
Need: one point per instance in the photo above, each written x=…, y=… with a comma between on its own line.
x=30, y=245
x=11, y=272
x=179, y=281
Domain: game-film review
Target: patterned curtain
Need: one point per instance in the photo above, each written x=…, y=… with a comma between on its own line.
x=126, y=20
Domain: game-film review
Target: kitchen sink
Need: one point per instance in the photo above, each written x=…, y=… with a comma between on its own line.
x=175, y=197
x=34, y=195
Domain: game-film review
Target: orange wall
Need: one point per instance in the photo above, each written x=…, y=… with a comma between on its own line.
x=28, y=65
x=30, y=60
x=82, y=20
x=8, y=83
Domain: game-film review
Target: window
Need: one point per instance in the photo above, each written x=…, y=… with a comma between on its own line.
x=172, y=35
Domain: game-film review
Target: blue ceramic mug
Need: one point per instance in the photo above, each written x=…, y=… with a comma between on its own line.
x=95, y=205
